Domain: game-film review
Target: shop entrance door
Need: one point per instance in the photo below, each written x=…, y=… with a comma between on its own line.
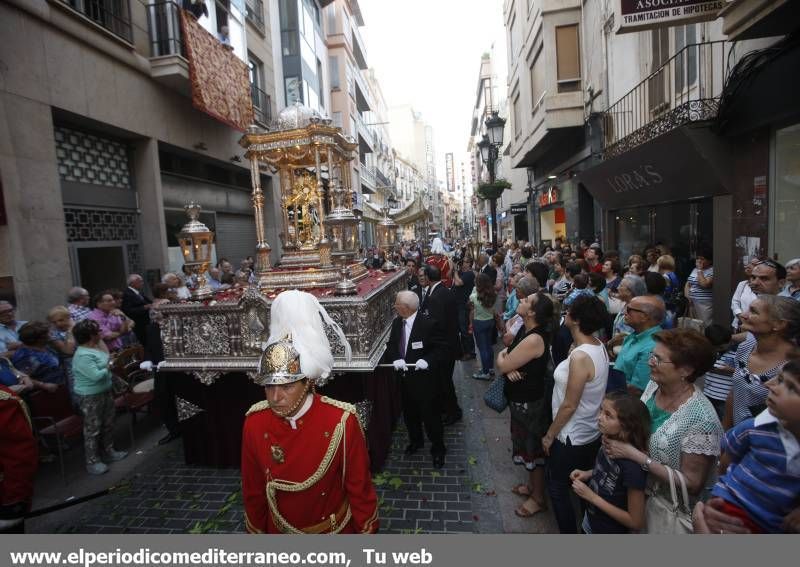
x=683, y=227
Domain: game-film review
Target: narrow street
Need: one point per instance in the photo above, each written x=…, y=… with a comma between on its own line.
x=160, y=494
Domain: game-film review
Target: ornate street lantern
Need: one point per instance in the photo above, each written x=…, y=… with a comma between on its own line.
x=196, y=241
x=387, y=238
x=495, y=126
x=485, y=147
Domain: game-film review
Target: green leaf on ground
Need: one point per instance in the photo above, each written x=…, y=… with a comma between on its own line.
x=396, y=482
x=435, y=474
x=477, y=487
x=472, y=460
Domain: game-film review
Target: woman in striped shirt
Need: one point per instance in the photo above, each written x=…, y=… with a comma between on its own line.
x=698, y=287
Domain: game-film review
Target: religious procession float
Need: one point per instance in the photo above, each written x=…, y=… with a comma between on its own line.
x=212, y=344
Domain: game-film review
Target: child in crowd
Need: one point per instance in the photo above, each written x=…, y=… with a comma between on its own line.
x=92, y=370
x=615, y=493
x=717, y=381
x=761, y=459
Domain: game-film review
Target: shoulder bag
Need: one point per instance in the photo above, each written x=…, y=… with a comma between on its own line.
x=673, y=515
x=495, y=396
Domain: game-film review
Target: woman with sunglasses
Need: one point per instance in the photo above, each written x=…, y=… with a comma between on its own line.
x=685, y=430
x=773, y=326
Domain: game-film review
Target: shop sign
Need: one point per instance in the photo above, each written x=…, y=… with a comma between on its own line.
x=638, y=15
x=519, y=209
x=548, y=197
x=759, y=189
x=643, y=177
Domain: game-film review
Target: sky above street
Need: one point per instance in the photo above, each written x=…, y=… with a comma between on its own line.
x=427, y=53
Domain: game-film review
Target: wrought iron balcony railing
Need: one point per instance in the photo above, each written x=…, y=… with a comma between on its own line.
x=686, y=88
x=255, y=14
x=262, y=105
x=113, y=15
x=164, y=27
x=382, y=180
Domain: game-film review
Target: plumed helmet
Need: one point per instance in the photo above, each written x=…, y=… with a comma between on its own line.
x=279, y=364
x=298, y=315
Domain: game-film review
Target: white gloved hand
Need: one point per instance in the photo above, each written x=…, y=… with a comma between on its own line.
x=400, y=364
x=422, y=364
x=146, y=366
x=160, y=364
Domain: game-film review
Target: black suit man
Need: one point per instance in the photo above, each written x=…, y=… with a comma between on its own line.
x=416, y=339
x=440, y=303
x=137, y=306
x=413, y=282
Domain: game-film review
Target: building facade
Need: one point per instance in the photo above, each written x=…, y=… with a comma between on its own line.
x=101, y=147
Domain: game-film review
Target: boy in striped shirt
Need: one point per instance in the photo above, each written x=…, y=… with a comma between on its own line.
x=762, y=455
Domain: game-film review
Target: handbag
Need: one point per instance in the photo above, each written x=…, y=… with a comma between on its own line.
x=495, y=396
x=671, y=516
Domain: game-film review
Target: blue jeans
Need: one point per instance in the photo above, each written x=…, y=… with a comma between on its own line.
x=483, y=338
x=565, y=458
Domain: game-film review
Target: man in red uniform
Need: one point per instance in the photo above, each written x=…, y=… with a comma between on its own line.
x=19, y=458
x=305, y=466
x=439, y=259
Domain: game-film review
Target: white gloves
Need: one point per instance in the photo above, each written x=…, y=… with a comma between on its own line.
x=146, y=366
x=160, y=364
x=400, y=364
x=422, y=364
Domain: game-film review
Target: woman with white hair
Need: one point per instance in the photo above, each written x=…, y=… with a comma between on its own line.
x=792, y=288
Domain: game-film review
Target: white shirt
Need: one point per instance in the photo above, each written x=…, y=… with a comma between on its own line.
x=582, y=426
x=407, y=325
x=134, y=290
x=742, y=298
x=301, y=412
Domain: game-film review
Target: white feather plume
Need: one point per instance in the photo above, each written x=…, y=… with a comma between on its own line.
x=300, y=315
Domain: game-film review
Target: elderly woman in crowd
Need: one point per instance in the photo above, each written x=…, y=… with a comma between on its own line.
x=573, y=439
x=35, y=359
x=524, y=364
x=78, y=304
x=773, y=325
x=686, y=432
x=113, y=323
x=792, y=288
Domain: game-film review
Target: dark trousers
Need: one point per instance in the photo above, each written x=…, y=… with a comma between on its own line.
x=448, y=402
x=419, y=393
x=565, y=458
x=483, y=331
x=165, y=400
x=467, y=344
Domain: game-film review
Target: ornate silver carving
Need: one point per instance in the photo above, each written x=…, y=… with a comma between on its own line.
x=364, y=413
x=206, y=335
x=207, y=377
x=186, y=409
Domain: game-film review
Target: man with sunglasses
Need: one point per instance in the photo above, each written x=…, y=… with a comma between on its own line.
x=644, y=314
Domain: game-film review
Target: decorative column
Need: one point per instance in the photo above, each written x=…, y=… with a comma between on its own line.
x=263, y=249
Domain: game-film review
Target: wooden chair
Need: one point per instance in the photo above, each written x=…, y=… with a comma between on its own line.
x=135, y=396
x=54, y=418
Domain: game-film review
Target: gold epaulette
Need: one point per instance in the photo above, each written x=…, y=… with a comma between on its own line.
x=260, y=406
x=339, y=404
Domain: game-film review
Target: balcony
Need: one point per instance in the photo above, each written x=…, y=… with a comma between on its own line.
x=358, y=49
x=685, y=89
x=366, y=136
x=114, y=16
x=382, y=180
x=168, y=63
x=368, y=181
x=262, y=106
x=255, y=14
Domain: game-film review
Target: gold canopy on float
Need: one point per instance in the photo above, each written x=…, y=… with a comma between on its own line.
x=311, y=159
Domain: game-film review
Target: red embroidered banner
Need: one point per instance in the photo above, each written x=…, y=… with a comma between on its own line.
x=220, y=80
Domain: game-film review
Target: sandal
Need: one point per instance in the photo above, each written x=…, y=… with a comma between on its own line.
x=523, y=512
x=522, y=490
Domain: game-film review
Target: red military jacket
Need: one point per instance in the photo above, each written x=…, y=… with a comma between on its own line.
x=19, y=454
x=443, y=263
x=313, y=479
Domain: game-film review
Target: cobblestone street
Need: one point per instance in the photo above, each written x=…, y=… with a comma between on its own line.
x=160, y=494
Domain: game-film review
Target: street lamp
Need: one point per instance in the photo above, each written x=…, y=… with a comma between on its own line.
x=196, y=242
x=489, y=147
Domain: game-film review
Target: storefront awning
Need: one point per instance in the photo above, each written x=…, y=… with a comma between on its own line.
x=411, y=213
x=687, y=163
